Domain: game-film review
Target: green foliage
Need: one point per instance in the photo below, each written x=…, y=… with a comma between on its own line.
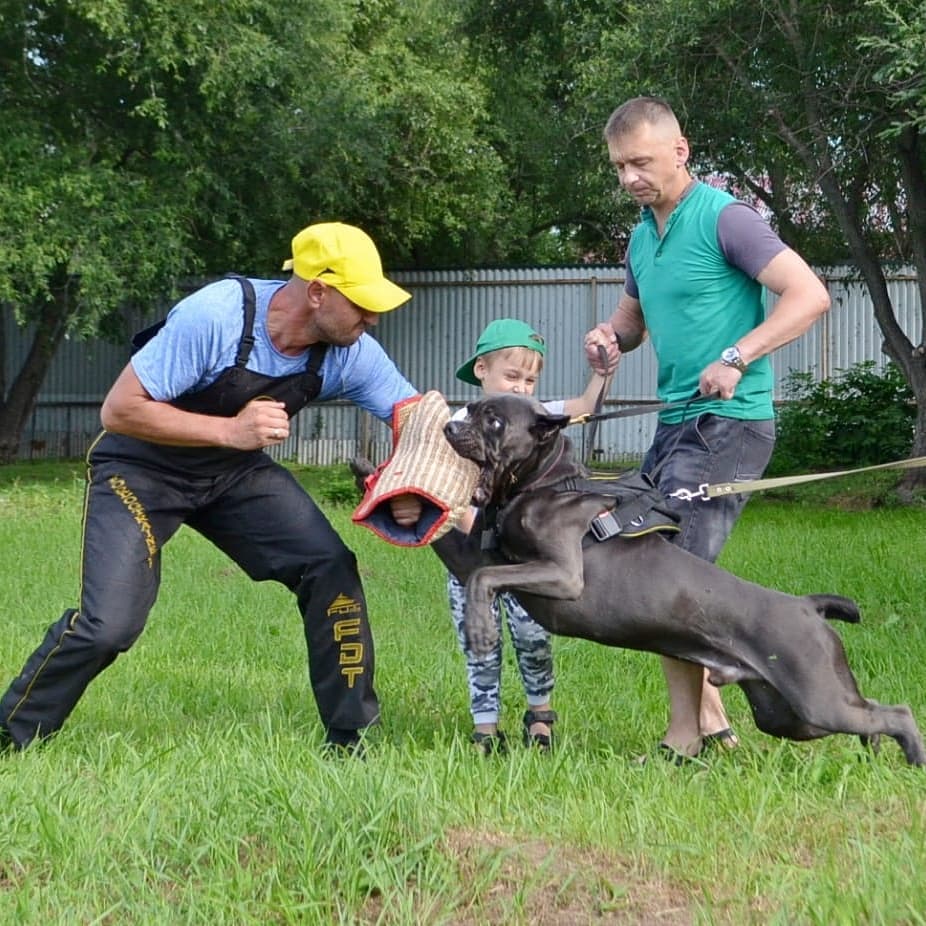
x=145, y=142
x=860, y=417
x=900, y=47
x=454, y=132
x=338, y=487
x=560, y=200
x=778, y=99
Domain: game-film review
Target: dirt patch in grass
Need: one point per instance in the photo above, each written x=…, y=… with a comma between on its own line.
x=505, y=878
x=512, y=880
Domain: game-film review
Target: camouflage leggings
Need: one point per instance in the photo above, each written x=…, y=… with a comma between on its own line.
x=532, y=650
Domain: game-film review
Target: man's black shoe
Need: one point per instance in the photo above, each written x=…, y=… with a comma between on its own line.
x=344, y=742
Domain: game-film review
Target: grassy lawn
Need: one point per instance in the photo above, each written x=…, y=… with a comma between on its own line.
x=189, y=785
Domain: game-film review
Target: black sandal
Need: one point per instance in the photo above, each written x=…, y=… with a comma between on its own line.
x=676, y=758
x=541, y=741
x=671, y=755
x=490, y=744
x=725, y=738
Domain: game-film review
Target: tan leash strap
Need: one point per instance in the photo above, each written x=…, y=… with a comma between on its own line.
x=705, y=491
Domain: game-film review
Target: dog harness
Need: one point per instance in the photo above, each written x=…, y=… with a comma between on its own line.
x=638, y=508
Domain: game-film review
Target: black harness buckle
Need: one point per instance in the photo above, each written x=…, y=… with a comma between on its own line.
x=605, y=526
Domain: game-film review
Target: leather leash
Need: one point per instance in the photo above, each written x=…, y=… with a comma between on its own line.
x=595, y=417
x=599, y=402
x=705, y=491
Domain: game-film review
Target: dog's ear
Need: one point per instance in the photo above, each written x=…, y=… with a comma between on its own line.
x=547, y=426
x=361, y=468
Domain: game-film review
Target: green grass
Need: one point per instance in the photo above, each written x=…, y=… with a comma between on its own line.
x=189, y=785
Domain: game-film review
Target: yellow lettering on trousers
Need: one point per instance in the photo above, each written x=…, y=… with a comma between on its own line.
x=344, y=604
x=350, y=654
x=137, y=510
x=347, y=628
x=351, y=674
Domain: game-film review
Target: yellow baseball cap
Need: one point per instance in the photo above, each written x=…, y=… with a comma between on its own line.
x=346, y=258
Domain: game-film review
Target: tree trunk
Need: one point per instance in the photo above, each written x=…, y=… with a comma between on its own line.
x=913, y=481
x=19, y=401
x=910, y=359
x=813, y=148
x=913, y=361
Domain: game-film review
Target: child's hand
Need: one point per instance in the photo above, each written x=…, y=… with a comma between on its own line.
x=465, y=523
x=406, y=509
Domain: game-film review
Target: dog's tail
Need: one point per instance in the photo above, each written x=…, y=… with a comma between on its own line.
x=836, y=608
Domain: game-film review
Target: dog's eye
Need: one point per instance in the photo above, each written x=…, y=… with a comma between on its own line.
x=495, y=424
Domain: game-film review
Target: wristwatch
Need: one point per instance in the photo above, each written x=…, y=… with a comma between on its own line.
x=732, y=357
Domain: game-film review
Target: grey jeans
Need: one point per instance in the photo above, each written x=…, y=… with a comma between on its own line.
x=708, y=449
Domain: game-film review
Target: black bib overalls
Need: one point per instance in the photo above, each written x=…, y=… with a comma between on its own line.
x=251, y=508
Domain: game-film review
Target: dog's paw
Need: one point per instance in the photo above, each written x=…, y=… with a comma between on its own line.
x=360, y=468
x=481, y=633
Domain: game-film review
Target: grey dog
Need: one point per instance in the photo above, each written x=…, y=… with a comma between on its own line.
x=646, y=593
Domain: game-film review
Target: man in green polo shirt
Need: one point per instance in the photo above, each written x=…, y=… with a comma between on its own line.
x=698, y=264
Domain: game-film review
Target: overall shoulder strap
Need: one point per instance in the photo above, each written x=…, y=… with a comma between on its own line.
x=249, y=305
x=316, y=357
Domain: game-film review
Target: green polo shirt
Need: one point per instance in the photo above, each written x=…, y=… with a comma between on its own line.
x=695, y=304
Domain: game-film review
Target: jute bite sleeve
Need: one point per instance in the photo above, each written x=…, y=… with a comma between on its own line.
x=423, y=464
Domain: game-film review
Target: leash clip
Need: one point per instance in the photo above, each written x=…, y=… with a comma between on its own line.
x=686, y=495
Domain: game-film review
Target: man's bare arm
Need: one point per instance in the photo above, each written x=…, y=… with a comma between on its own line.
x=129, y=409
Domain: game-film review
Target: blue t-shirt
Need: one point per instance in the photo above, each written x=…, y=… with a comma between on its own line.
x=200, y=340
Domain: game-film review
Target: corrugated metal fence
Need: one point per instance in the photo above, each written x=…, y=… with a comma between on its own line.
x=434, y=333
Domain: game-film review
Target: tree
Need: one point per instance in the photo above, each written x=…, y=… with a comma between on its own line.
x=108, y=189
x=147, y=141
x=559, y=190
x=816, y=108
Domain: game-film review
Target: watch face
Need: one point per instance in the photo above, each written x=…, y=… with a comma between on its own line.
x=732, y=357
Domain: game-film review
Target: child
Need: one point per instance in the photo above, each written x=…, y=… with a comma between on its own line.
x=508, y=358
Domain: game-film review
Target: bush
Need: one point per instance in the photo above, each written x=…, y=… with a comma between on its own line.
x=338, y=487
x=332, y=483
x=858, y=418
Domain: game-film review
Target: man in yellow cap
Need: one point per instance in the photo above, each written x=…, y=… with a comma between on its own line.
x=186, y=424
